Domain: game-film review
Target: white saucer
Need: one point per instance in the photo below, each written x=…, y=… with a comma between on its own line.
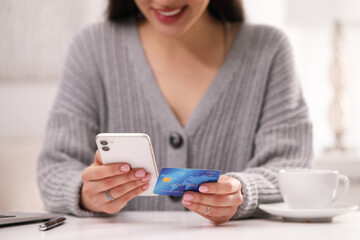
x=308, y=215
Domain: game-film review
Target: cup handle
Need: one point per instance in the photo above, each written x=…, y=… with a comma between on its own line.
x=345, y=188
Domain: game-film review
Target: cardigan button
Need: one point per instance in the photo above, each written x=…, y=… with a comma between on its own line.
x=175, y=198
x=176, y=140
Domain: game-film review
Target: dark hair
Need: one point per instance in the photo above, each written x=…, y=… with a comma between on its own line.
x=224, y=10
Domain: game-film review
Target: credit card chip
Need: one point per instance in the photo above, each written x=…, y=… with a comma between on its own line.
x=166, y=179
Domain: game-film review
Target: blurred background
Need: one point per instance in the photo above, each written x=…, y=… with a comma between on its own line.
x=35, y=36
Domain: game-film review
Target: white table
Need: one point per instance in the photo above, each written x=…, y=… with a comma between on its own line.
x=186, y=226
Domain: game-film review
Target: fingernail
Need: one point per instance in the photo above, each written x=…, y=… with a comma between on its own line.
x=125, y=168
x=186, y=203
x=188, y=196
x=203, y=189
x=146, y=186
x=146, y=178
x=140, y=173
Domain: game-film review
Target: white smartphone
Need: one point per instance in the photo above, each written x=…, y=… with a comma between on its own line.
x=132, y=148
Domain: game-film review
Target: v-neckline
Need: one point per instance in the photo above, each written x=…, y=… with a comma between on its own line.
x=152, y=91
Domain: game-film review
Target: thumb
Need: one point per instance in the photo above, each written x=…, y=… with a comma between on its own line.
x=97, y=159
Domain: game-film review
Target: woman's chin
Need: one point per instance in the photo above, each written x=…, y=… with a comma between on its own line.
x=171, y=32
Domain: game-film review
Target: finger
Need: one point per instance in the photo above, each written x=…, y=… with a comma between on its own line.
x=123, y=189
x=97, y=159
x=99, y=200
x=233, y=199
x=225, y=185
x=214, y=211
x=111, y=182
x=94, y=173
x=115, y=206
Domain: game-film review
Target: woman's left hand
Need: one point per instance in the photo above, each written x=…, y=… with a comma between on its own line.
x=217, y=201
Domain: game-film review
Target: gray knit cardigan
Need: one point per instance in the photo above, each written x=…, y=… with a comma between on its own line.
x=251, y=122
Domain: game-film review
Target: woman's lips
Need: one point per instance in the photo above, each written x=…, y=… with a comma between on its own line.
x=168, y=12
x=170, y=15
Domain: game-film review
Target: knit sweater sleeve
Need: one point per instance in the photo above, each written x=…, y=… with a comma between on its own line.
x=69, y=142
x=283, y=138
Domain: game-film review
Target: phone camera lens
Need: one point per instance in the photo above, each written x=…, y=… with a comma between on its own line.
x=105, y=149
x=103, y=142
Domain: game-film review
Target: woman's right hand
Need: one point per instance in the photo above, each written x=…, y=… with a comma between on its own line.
x=122, y=183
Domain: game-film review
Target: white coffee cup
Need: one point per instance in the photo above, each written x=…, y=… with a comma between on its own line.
x=311, y=188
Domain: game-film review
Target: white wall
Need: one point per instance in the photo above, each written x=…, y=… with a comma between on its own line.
x=24, y=110
x=34, y=38
x=313, y=53
x=35, y=35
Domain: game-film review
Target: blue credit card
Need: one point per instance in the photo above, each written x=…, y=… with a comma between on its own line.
x=176, y=181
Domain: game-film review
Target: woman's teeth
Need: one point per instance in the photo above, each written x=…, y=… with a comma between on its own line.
x=172, y=13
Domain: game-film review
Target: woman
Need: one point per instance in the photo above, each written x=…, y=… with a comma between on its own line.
x=212, y=91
